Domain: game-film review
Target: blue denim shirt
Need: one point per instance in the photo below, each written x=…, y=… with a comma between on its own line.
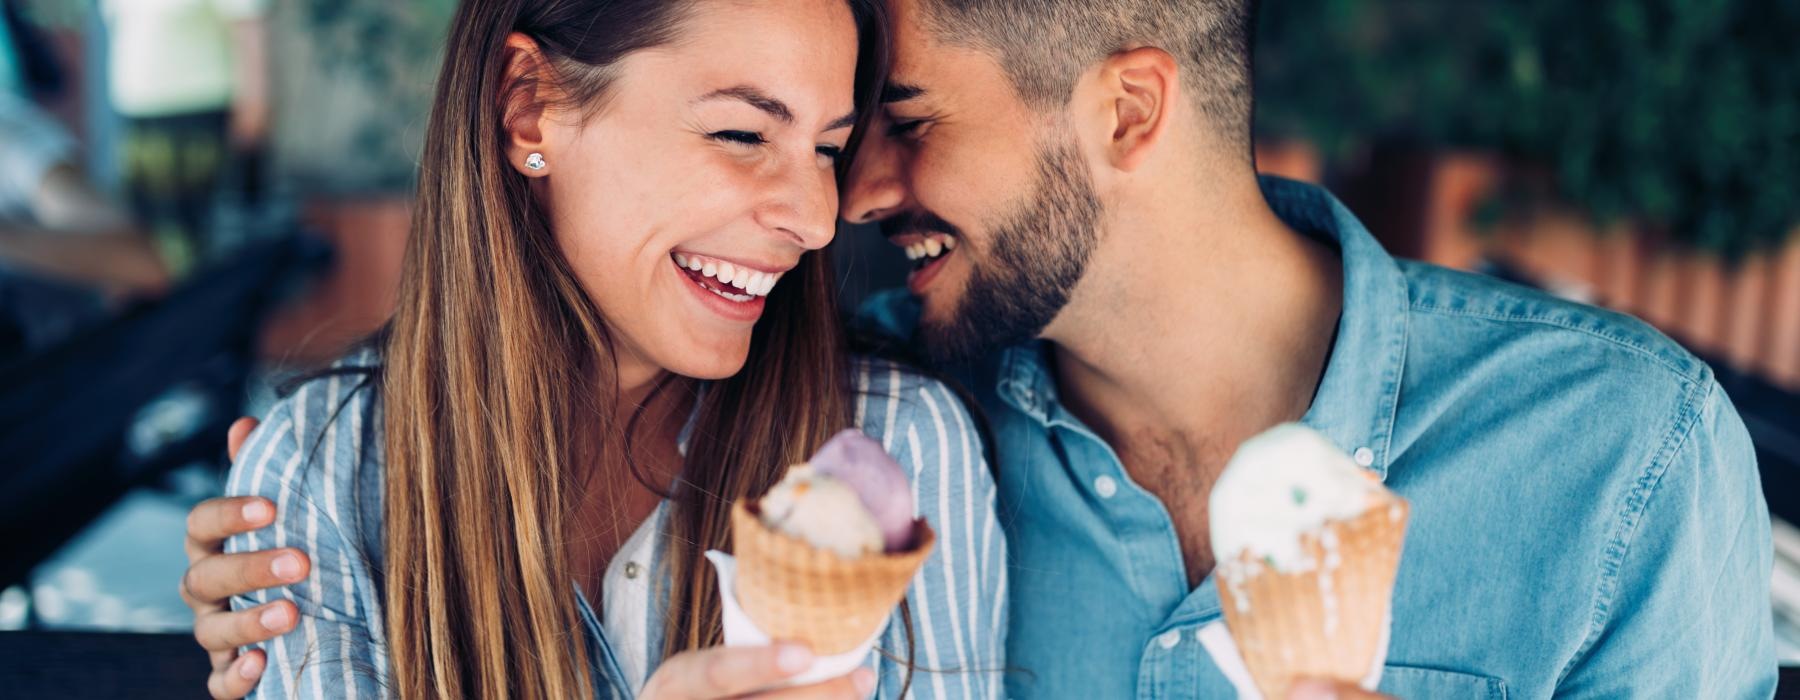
x=1587, y=515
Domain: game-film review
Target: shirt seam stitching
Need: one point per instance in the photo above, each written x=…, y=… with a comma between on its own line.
x=1538, y=320
x=1619, y=547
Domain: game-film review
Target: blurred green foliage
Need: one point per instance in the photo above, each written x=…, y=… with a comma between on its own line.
x=382, y=51
x=1681, y=115
x=54, y=14
x=379, y=39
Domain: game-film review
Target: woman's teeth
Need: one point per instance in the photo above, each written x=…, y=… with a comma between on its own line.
x=932, y=247
x=734, y=282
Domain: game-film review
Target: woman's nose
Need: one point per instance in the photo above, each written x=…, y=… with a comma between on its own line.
x=803, y=206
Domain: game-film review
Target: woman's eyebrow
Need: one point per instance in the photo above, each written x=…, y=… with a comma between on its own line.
x=843, y=122
x=751, y=95
x=755, y=98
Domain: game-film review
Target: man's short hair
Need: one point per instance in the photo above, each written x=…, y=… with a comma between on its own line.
x=1044, y=45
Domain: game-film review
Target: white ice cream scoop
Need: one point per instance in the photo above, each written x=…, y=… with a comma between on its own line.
x=1282, y=483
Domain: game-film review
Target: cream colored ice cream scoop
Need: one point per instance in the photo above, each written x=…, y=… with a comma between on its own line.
x=822, y=510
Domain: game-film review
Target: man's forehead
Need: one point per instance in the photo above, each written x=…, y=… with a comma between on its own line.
x=912, y=51
x=924, y=66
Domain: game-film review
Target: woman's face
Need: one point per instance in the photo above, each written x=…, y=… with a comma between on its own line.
x=704, y=176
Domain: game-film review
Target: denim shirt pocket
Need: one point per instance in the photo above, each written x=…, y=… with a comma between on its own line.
x=1413, y=683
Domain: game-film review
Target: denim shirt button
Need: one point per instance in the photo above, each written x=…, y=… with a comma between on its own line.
x=632, y=569
x=1364, y=456
x=1169, y=639
x=1106, y=486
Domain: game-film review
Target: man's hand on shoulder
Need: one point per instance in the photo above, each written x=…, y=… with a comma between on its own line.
x=213, y=577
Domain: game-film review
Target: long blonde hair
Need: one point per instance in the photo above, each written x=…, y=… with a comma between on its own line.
x=499, y=389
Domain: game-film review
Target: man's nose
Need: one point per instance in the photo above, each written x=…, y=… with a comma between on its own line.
x=875, y=187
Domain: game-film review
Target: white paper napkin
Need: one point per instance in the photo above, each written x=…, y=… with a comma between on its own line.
x=1219, y=644
x=741, y=632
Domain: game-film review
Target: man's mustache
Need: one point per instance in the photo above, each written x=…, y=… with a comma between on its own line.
x=922, y=222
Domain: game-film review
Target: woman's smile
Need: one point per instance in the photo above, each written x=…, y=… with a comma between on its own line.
x=734, y=290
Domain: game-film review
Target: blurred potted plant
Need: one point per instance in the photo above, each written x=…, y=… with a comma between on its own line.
x=1639, y=151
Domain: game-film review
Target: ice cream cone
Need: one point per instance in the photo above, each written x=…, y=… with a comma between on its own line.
x=795, y=591
x=1327, y=618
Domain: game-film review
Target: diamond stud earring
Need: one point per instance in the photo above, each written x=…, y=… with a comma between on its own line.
x=535, y=161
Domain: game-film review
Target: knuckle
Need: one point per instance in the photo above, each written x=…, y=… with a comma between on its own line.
x=187, y=588
x=249, y=625
x=196, y=518
x=243, y=575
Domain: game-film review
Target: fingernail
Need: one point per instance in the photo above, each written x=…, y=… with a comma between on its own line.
x=864, y=680
x=256, y=512
x=274, y=619
x=250, y=668
x=793, y=658
x=286, y=567
x=1313, y=690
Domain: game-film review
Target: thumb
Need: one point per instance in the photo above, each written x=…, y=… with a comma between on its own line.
x=235, y=437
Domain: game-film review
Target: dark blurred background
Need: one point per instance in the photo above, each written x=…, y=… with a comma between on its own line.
x=201, y=197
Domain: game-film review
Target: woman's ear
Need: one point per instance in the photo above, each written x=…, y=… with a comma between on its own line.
x=1129, y=98
x=525, y=96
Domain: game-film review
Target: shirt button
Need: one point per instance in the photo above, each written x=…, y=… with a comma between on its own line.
x=1106, y=486
x=1169, y=639
x=1364, y=456
x=632, y=569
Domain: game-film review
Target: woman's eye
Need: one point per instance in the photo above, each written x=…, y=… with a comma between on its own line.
x=747, y=138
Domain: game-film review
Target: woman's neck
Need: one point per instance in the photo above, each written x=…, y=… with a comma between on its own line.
x=634, y=471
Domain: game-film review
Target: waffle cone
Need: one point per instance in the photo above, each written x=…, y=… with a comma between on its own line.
x=793, y=590
x=1329, y=622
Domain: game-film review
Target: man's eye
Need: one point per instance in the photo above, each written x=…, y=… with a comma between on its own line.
x=832, y=153
x=748, y=138
x=906, y=127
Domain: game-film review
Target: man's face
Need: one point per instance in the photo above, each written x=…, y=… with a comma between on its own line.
x=991, y=198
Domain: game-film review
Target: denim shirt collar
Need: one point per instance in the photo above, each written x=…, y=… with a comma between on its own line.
x=1359, y=395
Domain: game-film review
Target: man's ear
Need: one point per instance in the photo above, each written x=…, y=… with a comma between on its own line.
x=526, y=91
x=1129, y=98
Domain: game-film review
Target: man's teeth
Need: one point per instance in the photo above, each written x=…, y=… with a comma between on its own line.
x=930, y=248
x=754, y=283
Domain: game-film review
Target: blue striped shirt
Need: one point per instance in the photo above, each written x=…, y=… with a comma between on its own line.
x=317, y=455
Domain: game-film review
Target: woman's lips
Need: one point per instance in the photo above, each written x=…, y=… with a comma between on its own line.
x=728, y=301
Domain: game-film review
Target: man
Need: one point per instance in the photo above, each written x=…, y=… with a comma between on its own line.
x=1099, y=262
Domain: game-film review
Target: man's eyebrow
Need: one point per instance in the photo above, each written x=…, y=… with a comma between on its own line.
x=900, y=92
x=753, y=97
x=847, y=120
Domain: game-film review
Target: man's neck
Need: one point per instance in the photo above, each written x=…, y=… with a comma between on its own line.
x=1204, y=320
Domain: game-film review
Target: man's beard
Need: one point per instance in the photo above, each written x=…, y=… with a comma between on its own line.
x=1028, y=267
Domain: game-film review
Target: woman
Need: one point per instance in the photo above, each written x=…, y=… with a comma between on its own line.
x=616, y=318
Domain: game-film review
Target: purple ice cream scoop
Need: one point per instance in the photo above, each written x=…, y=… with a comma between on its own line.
x=879, y=482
